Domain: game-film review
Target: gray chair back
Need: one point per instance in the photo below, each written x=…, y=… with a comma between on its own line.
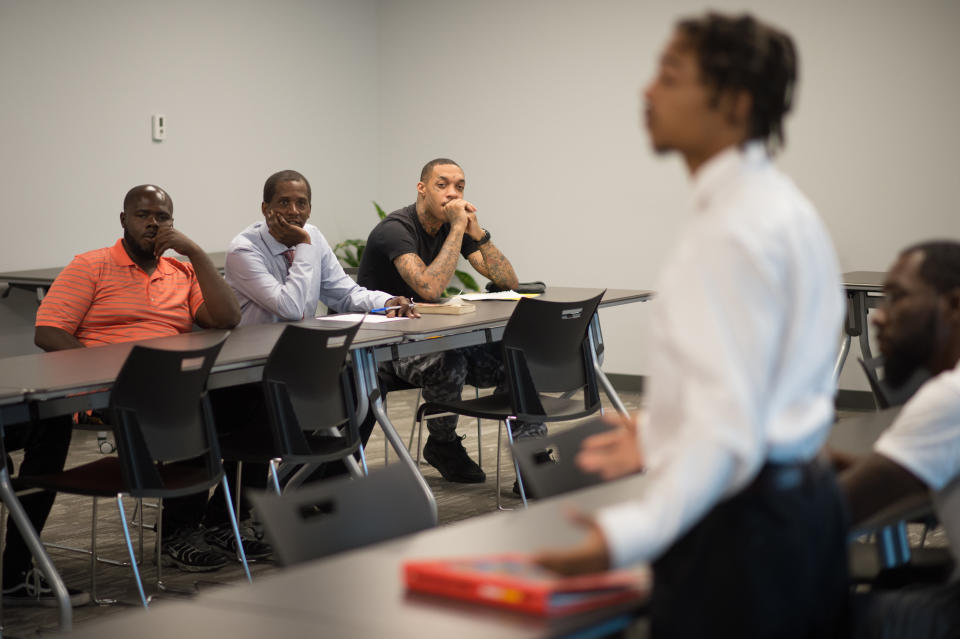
x=334, y=516
x=556, y=472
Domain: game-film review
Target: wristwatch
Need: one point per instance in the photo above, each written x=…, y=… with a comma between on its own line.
x=486, y=238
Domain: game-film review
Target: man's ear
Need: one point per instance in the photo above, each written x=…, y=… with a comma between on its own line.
x=951, y=300
x=123, y=220
x=264, y=207
x=736, y=106
x=421, y=189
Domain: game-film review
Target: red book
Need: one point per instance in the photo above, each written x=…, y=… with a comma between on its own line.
x=513, y=581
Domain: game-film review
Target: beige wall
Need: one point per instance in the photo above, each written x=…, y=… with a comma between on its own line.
x=538, y=99
x=248, y=88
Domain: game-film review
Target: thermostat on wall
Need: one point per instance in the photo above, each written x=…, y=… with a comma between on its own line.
x=159, y=127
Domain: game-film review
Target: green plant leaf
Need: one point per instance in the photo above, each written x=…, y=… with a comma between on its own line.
x=380, y=211
x=469, y=283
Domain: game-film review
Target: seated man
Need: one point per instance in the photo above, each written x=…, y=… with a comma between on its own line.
x=280, y=269
x=414, y=251
x=918, y=326
x=130, y=292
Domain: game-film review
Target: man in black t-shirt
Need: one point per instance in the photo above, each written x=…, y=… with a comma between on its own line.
x=414, y=252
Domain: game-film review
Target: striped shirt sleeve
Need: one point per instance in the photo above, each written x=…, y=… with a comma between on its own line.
x=70, y=296
x=196, y=295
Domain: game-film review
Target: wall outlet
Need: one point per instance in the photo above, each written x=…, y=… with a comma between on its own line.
x=159, y=127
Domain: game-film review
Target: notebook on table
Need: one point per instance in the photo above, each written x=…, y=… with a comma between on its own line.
x=513, y=581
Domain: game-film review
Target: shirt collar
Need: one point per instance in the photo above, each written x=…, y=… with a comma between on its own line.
x=718, y=170
x=275, y=247
x=120, y=257
x=119, y=254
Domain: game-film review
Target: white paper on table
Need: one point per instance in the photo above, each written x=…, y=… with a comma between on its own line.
x=356, y=317
x=510, y=296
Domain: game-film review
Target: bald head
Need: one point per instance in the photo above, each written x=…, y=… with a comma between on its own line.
x=149, y=192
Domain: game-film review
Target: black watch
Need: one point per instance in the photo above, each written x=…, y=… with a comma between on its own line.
x=486, y=238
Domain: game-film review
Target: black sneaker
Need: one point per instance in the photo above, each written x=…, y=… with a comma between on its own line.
x=35, y=591
x=451, y=459
x=222, y=540
x=186, y=550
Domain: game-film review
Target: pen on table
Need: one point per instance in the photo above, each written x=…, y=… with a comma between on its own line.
x=383, y=310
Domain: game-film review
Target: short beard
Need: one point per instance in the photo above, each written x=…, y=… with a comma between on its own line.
x=135, y=248
x=907, y=357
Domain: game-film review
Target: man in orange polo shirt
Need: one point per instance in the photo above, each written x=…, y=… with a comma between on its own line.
x=126, y=292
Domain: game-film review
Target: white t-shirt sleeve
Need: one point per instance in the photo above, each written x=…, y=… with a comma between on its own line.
x=925, y=437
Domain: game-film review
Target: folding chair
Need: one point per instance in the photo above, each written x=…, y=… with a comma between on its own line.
x=166, y=444
x=311, y=405
x=556, y=472
x=546, y=349
x=343, y=514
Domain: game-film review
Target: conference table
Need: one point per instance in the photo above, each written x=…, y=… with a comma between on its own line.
x=63, y=382
x=361, y=593
x=68, y=381
x=864, y=290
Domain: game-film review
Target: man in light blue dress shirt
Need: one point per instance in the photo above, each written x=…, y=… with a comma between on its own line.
x=282, y=267
x=279, y=269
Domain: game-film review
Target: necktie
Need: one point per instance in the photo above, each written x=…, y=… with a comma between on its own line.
x=289, y=255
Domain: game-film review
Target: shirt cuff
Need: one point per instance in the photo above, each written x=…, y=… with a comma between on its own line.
x=623, y=529
x=380, y=299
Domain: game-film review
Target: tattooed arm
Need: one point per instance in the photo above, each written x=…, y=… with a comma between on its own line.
x=494, y=266
x=429, y=282
x=488, y=260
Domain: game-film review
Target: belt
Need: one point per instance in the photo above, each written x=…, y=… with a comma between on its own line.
x=776, y=477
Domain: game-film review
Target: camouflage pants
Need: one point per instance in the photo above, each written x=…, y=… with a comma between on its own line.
x=442, y=376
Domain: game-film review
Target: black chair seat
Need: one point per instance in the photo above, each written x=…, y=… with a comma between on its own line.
x=245, y=447
x=104, y=478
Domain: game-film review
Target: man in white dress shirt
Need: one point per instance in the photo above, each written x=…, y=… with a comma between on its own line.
x=744, y=529
x=918, y=326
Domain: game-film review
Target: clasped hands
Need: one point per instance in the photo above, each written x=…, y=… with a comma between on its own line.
x=460, y=210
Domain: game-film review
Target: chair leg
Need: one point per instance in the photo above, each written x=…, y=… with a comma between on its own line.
x=419, y=440
x=416, y=426
x=386, y=442
x=516, y=466
x=133, y=557
x=3, y=540
x=93, y=552
x=237, y=498
x=236, y=529
x=140, y=528
x=363, y=460
x=274, y=471
x=499, y=434
x=158, y=544
x=476, y=391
